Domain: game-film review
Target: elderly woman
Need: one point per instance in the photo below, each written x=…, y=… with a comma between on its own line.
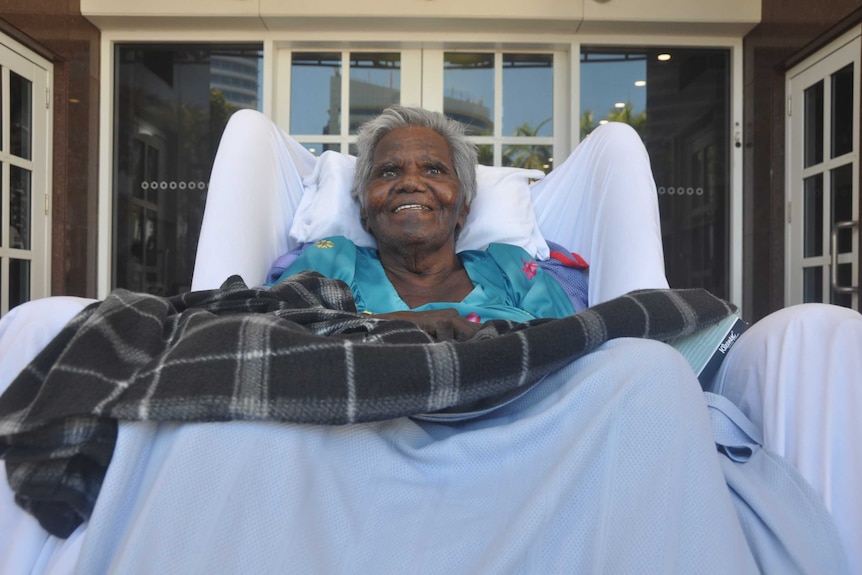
x=415, y=180
x=607, y=465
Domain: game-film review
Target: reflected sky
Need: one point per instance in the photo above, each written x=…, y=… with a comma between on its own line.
x=604, y=83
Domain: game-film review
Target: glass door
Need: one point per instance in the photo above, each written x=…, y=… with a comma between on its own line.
x=679, y=100
x=24, y=165
x=171, y=104
x=823, y=177
x=504, y=99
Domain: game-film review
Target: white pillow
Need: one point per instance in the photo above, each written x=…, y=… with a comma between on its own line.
x=502, y=211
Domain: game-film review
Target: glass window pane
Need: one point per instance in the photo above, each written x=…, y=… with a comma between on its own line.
x=842, y=111
x=20, y=115
x=812, y=143
x=375, y=84
x=318, y=148
x=842, y=204
x=844, y=276
x=812, y=214
x=468, y=96
x=812, y=285
x=528, y=156
x=315, y=93
x=528, y=94
x=613, y=87
x=1, y=107
x=2, y=207
x=485, y=154
x=172, y=104
x=20, y=209
x=19, y=282
x=678, y=100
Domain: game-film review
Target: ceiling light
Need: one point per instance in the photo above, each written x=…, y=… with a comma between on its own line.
x=640, y=83
x=664, y=57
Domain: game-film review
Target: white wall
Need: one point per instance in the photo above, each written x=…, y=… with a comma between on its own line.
x=734, y=17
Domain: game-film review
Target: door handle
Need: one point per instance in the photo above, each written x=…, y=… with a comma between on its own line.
x=834, y=249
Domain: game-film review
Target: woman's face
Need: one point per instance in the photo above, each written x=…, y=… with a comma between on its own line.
x=413, y=196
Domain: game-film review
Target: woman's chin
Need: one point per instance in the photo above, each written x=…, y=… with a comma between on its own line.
x=416, y=241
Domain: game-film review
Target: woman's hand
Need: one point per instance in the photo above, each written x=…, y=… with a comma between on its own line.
x=441, y=324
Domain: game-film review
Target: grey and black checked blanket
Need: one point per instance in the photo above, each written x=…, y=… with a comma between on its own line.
x=297, y=352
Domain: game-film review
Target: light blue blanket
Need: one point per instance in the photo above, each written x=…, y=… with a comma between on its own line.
x=607, y=466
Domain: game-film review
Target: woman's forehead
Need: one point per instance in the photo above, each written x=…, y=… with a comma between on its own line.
x=412, y=141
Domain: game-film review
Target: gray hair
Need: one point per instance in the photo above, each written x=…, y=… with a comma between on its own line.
x=464, y=155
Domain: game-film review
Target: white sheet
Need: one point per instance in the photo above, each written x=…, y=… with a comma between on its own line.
x=798, y=374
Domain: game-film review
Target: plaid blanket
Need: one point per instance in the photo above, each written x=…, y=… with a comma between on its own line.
x=297, y=352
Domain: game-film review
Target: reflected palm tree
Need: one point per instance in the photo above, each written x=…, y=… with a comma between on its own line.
x=626, y=115
x=528, y=156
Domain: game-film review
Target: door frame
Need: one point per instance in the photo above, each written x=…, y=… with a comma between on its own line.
x=39, y=71
x=276, y=73
x=845, y=49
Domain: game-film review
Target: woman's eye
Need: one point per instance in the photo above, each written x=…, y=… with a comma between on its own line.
x=435, y=171
x=388, y=173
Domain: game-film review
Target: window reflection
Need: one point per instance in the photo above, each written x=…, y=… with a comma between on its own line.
x=19, y=282
x=171, y=106
x=375, y=84
x=812, y=214
x=813, y=130
x=842, y=205
x=317, y=85
x=20, y=116
x=677, y=99
x=315, y=93
x=468, y=90
x=528, y=156
x=528, y=94
x=843, y=277
x=520, y=134
x=812, y=284
x=613, y=88
x=842, y=111
x=485, y=154
x=20, y=208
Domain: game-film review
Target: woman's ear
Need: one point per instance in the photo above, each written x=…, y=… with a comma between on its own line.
x=462, y=219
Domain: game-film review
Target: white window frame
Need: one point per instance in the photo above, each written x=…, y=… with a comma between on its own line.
x=40, y=72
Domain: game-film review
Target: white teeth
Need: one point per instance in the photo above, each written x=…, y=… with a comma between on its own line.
x=410, y=207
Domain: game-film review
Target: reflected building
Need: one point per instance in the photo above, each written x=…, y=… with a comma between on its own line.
x=369, y=99
x=473, y=114
x=237, y=78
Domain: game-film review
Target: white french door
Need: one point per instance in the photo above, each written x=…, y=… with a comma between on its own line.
x=24, y=175
x=822, y=261
x=506, y=100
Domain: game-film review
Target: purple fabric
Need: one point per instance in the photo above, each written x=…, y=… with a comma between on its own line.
x=282, y=263
x=573, y=281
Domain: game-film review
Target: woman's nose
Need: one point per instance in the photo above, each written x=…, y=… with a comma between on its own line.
x=411, y=181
